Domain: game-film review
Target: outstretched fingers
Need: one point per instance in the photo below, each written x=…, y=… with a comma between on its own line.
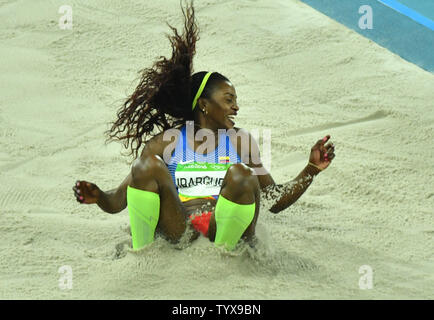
x=326, y=150
x=77, y=192
x=329, y=152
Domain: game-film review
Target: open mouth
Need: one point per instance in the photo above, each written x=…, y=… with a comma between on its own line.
x=231, y=119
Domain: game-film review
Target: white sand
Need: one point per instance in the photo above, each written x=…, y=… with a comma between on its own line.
x=296, y=72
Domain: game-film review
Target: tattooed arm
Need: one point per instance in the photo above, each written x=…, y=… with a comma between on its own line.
x=286, y=194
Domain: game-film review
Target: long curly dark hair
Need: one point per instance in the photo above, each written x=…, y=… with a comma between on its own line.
x=163, y=99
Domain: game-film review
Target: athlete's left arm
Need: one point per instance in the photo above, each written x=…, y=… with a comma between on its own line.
x=286, y=194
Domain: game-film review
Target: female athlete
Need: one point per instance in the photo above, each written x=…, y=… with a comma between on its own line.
x=177, y=173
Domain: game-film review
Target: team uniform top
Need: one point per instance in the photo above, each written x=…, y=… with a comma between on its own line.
x=201, y=175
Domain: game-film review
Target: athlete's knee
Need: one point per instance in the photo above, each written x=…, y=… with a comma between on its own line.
x=143, y=168
x=239, y=170
x=241, y=176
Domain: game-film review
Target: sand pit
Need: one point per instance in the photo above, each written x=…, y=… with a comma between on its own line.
x=296, y=72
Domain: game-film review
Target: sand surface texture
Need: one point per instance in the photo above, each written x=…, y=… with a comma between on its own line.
x=296, y=72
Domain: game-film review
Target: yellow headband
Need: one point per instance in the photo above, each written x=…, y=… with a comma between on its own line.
x=202, y=86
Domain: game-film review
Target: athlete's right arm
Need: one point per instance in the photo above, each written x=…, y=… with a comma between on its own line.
x=115, y=200
x=112, y=201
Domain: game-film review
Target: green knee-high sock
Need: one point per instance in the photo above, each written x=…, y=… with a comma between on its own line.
x=232, y=220
x=144, y=210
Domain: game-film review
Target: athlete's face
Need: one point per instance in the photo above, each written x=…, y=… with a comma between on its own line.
x=223, y=107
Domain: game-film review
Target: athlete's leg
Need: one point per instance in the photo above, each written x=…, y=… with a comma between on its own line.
x=241, y=192
x=151, y=182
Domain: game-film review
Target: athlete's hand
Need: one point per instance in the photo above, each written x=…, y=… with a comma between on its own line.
x=86, y=192
x=321, y=154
